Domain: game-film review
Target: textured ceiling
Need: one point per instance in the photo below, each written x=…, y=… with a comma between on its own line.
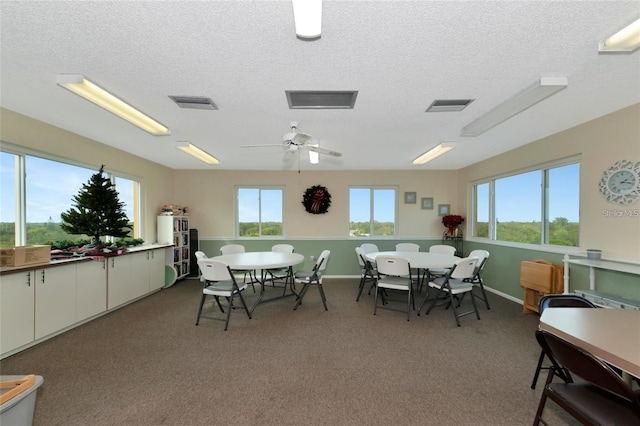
x=399, y=55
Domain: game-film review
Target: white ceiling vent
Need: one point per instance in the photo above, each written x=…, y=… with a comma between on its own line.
x=319, y=99
x=193, y=102
x=448, y=105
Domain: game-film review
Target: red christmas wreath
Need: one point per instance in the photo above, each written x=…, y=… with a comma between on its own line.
x=316, y=200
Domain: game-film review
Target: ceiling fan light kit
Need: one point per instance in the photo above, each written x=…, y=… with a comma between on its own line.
x=627, y=40
x=533, y=94
x=434, y=152
x=81, y=86
x=307, y=15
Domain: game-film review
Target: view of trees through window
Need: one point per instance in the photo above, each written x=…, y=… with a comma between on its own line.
x=372, y=212
x=260, y=212
x=537, y=207
x=49, y=188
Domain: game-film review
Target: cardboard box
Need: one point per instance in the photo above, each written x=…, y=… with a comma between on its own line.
x=25, y=255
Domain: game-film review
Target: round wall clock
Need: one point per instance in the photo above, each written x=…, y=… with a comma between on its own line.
x=316, y=200
x=620, y=183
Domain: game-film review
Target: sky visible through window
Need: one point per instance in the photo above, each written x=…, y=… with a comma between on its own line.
x=521, y=205
x=51, y=186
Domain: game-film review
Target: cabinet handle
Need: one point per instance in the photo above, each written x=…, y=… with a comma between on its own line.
x=43, y=276
x=104, y=264
x=28, y=279
x=113, y=263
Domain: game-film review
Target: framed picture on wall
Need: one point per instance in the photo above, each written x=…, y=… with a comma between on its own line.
x=443, y=209
x=409, y=197
x=426, y=203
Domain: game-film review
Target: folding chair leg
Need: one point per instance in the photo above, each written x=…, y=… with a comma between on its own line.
x=226, y=322
x=538, y=368
x=360, y=288
x=301, y=295
x=375, y=300
x=455, y=310
x=245, y=305
x=204, y=296
x=484, y=295
x=324, y=299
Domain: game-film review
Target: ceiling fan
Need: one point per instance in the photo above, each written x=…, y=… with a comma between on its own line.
x=296, y=141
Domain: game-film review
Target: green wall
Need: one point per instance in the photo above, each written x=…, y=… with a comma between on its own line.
x=501, y=273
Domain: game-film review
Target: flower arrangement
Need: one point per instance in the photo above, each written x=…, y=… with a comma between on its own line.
x=452, y=221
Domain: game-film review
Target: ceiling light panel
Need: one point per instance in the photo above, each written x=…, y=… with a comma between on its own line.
x=85, y=88
x=434, y=152
x=321, y=99
x=533, y=94
x=196, y=152
x=626, y=40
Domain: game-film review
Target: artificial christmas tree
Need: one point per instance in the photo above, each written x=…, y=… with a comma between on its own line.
x=98, y=212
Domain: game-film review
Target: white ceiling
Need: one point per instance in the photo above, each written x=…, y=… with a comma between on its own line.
x=399, y=55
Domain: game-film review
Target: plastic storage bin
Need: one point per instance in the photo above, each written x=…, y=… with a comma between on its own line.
x=19, y=409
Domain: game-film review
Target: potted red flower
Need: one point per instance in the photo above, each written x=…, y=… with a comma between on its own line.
x=451, y=222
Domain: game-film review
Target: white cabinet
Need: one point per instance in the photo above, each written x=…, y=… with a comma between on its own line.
x=16, y=310
x=119, y=289
x=91, y=288
x=55, y=300
x=175, y=230
x=156, y=269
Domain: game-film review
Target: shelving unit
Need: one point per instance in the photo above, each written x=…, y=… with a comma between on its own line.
x=175, y=230
x=455, y=241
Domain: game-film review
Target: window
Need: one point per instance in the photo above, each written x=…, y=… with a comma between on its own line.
x=535, y=207
x=260, y=212
x=31, y=207
x=372, y=212
x=8, y=167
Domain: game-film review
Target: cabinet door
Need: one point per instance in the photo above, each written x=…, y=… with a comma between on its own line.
x=16, y=310
x=91, y=288
x=119, y=289
x=156, y=269
x=140, y=273
x=55, y=299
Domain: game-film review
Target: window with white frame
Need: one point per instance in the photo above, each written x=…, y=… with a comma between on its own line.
x=260, y=212
x=539, y=206
x=372, y=211
x=35, y=190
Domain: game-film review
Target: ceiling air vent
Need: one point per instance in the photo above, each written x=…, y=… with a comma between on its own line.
x=448, y=105
x=304, y=99
x=193, y=102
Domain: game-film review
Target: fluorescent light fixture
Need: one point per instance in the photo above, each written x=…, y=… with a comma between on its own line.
x=539, y=91
x=79, y=85
x=314, y=157
x=194, y=151
x=625, y=40
x=307, y=15
x=434, y=152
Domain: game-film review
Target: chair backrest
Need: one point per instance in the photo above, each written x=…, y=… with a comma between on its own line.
x=393, y=265
x=407, y=247
x=322, y=261
x=463, y=268
x=200, y=255
x=283, y=248
x=360, y=255
x=369, y=248
x=214, y=270
x=232, y=249
x=586, y=365
x=442, y=249
x=482, y=256
x=564, y=301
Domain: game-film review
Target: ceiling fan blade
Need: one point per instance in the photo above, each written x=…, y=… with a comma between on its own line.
x=259, y=146
x=324, y=151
